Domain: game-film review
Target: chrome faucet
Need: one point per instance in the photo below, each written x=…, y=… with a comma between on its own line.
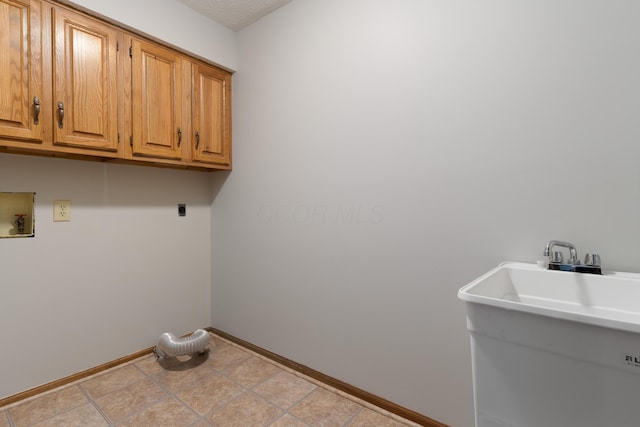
x=573, y=254
x=591, y=262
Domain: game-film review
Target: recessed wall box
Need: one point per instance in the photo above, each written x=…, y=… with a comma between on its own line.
x=17, y=217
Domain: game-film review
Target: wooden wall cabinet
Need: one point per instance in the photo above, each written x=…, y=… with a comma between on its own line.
x=85, y=82
x=211, y=113
x=58, y=80
x=156, y=99
x=180, y=108
x=72, y=85
x=21, y=70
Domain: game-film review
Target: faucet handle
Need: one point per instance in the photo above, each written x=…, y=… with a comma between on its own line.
x=557, y=257
x=592, y=259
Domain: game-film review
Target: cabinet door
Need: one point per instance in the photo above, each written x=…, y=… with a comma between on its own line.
x=156, y=85
x=85, y=82
x=211, y=115
x=20, y=70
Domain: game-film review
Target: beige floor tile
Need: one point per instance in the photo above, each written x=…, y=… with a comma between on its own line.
x=223, y=355
x=216, y=340
x=183, y=363
x=179, y=376
x=284, y=389
x=214, y=392
x=201, y=391
x=251, y=372
x=246, y=410
x=369, y=418
x=85, y=415
x=288, y=421
x=148, y=364
x=47, y=406
x=325, y=409
x=131, y=399
x=166, y=413
x=112, y=381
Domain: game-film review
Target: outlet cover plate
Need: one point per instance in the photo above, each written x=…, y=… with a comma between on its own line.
x=61, y=210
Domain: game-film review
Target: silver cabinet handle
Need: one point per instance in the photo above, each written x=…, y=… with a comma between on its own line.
x=60, y=114
x=36, y=109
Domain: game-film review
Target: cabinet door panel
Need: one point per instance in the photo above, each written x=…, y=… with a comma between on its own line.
x=211, y=120
x=156, y=101
x=85, y=94
x=20, y=70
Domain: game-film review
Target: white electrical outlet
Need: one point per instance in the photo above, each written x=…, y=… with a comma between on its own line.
x=61, y=210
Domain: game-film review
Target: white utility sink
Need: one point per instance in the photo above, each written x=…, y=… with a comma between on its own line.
x=554, y=348
x=611, y=300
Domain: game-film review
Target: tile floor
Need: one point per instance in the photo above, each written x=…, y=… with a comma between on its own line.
x=228, y=386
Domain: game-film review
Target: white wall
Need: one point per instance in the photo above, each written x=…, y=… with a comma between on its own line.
x=174, y=23
x=387, y=153
x=124, y=270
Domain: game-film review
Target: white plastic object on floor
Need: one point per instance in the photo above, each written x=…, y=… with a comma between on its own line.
x=554, y=348
x=169, y=345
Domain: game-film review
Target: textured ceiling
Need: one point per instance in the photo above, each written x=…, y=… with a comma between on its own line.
x=234, y=14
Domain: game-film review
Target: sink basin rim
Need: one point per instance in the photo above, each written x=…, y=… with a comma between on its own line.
x=609, y=317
